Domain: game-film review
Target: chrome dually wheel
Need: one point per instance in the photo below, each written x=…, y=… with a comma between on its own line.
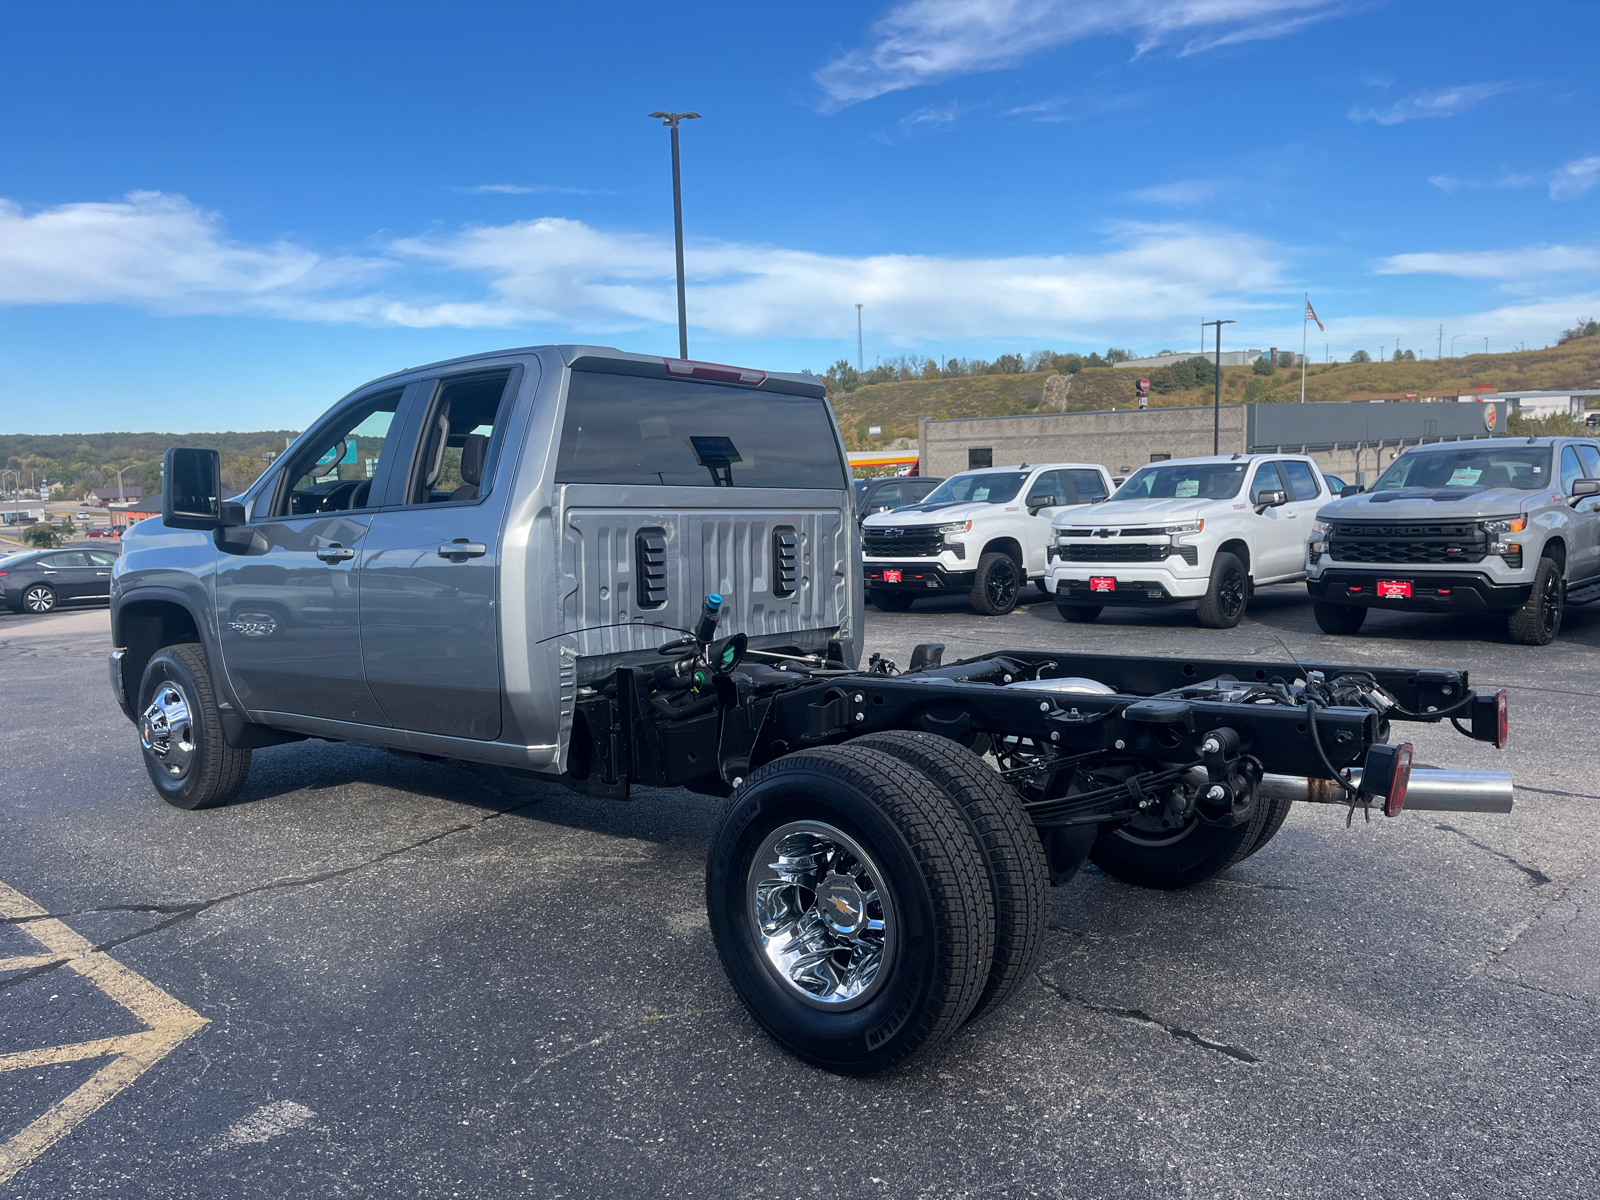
x=825, y=928
x=166, y=730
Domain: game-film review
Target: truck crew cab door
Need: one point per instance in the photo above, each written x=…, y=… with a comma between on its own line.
x=1581, y=461
x=286, y=582
x=430, y=620
x=1277, y=547
x=1306, y=495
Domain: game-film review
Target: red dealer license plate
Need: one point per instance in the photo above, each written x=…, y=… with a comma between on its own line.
x=891, y=576
x=1394, y=589
x=1102, y=583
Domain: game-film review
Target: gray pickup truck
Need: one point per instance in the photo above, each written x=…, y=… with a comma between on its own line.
x=1508, y=525
x=609, y=570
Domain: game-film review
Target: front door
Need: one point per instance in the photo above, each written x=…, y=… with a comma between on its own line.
x=430, y=632
x=287, y=584
x=1278, y=547
x=1583, y=557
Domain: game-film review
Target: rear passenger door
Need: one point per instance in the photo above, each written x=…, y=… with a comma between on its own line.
x=101, y=562
x=430, y=634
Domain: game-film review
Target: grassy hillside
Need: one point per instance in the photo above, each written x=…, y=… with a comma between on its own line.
x=896, y=406
x=82, y=461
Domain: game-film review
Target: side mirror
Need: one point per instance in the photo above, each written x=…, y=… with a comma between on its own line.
x=1585, y=487
x=1266, y=500
x=1351, y=489
x=1039, y=500
x=191, y=489
x=878, y=509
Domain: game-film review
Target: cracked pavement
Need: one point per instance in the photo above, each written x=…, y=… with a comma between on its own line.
x=429, y=980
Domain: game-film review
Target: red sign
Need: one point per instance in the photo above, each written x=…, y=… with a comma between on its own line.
x=1394, y=589
x=1144, y=385
x=891, y=576
x=1102, y=583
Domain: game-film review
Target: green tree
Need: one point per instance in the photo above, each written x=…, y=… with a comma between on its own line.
x=1586, y=327
x=1263, y=366
x=41, y=537
x=1361, y=356
x=842, y=377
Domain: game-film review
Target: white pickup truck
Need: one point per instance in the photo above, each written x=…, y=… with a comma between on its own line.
x=1201, y=531
x=982, y=532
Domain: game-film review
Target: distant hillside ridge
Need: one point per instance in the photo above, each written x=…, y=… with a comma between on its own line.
x=896, y=407
x=83, y=461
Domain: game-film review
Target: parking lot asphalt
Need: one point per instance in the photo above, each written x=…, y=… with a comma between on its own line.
x=431, y=980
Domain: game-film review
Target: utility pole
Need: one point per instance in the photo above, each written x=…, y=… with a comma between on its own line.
x=1441, y=340
x=1216, y=407
x=671, y=119
x=860, y=356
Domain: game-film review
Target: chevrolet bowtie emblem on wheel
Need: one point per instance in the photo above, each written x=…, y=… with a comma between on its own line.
x=842, y=907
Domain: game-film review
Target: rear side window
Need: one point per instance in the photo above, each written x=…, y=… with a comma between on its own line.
x=629, y=429
x=1302, y=482
x=456, y=459
x=1083, y=487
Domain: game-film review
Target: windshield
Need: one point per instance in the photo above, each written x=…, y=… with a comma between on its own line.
x=1488, y=466
x=989, y=487
x=1184, y=481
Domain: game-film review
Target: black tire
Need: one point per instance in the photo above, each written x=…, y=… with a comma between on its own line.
x=1172, y=862
x=1079, y=614
x=1338, y=618
x=1019, y=877
x=38, y=599
x=887, y=601
x=1277, y=813
x=995, y=584
x=1538, y=621
x=1044, y=588
x=1227, y=595
x=184, y=751
x=928, y=867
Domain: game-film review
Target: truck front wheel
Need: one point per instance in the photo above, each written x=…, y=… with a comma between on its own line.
x=1338, y=618
x=1538, y=621
x=995, y=584
x=1225, y=598
x=180, y=732
x=851, y=908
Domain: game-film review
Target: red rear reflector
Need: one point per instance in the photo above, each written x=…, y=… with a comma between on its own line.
x=715, y=372
x=1398, y=781
x=1444, y=591
x=1502, y=719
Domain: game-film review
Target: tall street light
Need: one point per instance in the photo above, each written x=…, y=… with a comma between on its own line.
x=860, y=365
x=670, y=120
x=1216, y=407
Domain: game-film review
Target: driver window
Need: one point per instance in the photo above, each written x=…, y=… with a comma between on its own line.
x=1267, y=480
x=332, y=472
x=1571, y=472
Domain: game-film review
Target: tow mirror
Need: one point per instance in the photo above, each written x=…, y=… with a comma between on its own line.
x=1039, y=500
x=1350, y=489
x=191, y=489
x=1266, y=500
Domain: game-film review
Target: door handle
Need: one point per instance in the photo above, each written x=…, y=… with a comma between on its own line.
x=335, y=553
x=462, y=549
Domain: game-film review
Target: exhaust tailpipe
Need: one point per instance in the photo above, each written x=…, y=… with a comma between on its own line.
x=1429, y=790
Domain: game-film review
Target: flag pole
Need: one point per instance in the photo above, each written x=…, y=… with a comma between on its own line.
x=1303, y=321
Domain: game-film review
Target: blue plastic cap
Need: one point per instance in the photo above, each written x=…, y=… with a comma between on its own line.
x=713, y=601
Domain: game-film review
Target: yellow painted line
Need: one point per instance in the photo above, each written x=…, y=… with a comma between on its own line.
x=23, y=961
x=170, y=1022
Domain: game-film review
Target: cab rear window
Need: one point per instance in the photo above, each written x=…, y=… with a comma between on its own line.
x=623, y=429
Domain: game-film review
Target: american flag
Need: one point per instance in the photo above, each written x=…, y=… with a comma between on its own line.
x=1311, y=315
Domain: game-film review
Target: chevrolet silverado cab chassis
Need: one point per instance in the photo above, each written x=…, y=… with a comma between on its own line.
x=612, y=571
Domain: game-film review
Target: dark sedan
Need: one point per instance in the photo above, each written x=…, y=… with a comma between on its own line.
x=36, y=581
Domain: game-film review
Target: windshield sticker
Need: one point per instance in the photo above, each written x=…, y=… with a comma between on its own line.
x=1464, y=477
x=980, y=494
x=1187, y=489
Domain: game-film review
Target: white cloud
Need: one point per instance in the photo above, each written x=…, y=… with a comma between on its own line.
x=1184, y=192
x=933, y=116
x=1434, y=102
x=1509, y=266
x=1575, y=179
x=1511, y=179
x=156, y=251
x=924, y=41
x=164, y=254
x=536, y=189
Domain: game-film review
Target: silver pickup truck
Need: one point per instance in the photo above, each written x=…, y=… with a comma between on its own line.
x=608, y=570
x=1508, y=526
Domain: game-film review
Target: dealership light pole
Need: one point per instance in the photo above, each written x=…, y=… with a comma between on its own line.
x=860, y=356
x=1216, y=407
x=670, y=120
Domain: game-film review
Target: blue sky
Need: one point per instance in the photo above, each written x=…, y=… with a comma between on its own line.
x=225, y=216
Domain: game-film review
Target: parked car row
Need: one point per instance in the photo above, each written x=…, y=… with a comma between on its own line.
x=37, y=581
x=1483, y=526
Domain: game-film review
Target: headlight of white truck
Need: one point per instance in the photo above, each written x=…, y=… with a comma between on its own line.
x=953, y=528
x=1186, y=527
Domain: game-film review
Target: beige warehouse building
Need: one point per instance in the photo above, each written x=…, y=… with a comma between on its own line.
x=1351, y=439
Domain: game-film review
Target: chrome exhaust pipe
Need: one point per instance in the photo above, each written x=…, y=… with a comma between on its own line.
x=1429, y=790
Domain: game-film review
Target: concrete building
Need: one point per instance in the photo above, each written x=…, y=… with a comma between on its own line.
x=1230, y=358
x=1354, y=441
x=1546, y=404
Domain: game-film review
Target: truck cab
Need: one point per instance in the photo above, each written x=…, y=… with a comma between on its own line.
x=982, y=533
